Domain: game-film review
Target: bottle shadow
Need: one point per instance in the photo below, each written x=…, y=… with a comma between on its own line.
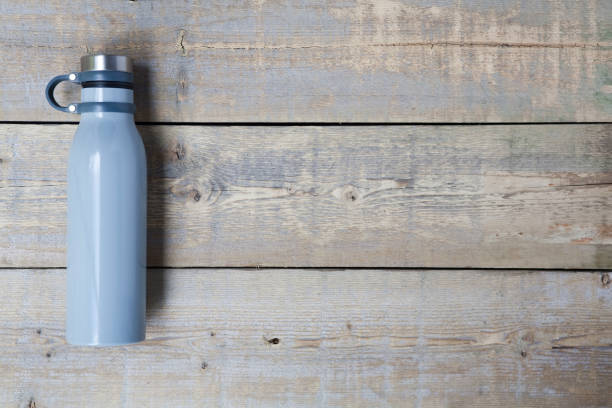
x=156, y=152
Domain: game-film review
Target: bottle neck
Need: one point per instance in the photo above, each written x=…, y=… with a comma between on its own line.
x=107, y=95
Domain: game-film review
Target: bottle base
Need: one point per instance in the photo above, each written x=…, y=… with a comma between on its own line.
x=74, y=342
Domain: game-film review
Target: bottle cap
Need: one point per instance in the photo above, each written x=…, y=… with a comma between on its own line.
x=103, y=62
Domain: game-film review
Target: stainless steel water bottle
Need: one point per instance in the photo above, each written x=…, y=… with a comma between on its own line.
x=107, y=189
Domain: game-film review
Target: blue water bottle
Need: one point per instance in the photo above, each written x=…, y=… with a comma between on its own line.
x=107, y=191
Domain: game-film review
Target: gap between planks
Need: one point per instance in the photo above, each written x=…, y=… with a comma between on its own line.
x=287, y=124
x=341, y=268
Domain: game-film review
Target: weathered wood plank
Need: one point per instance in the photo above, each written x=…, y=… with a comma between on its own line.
x=451, y=196
x=364, y=61
x=357, y=338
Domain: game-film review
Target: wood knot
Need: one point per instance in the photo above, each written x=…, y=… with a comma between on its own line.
x=273, y=340
x=188, y=191
x=528, y=337
x=351, y=195
x=523, y=353
x=347, y=193
x=196, y=195
x=605, y=280
x=204, y=365
x=179, y=151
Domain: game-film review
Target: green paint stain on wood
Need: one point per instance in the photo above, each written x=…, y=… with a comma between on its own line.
x=603, y=95
x=603, y=256
x=605, y=32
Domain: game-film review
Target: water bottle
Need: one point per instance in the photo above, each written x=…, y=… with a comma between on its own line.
x=107, y=189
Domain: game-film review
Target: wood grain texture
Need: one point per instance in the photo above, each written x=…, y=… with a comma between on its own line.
x=534, y=196
x=354, y=61
x=358, y=338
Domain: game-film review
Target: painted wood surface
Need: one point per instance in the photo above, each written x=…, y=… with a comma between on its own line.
x=386, y=196
x=296, y=61
x=290, y=338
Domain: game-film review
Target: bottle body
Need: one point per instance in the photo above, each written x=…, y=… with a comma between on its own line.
x=106, y=275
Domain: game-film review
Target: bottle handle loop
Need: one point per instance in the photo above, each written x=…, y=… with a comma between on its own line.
x=72, y=77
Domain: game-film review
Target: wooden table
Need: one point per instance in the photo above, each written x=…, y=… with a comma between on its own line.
x=356, y=204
